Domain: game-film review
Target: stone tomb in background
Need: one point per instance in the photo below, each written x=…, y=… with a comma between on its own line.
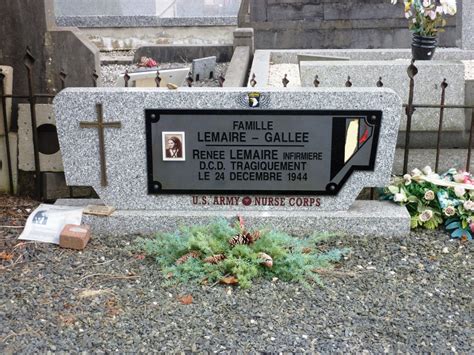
x=204, y=68
x=147, y=78
x=290, y=159
x=394, y=76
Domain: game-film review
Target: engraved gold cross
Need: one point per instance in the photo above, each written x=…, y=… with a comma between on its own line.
x=100, y=125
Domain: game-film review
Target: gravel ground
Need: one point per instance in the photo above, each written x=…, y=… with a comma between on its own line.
x=410, y=294
x=110, y=73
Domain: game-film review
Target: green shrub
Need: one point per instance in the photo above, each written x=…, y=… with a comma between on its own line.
x=182, y=255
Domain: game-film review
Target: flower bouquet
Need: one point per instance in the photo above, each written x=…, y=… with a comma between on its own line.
x=433, y=199
x=426, y=19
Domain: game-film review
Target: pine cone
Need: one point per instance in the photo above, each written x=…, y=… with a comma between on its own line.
x=185, y=257
x=244, y=238
x=266, y=259
x=237, y=239
x=214, y=259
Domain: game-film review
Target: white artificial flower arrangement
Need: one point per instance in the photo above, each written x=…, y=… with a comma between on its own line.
x=428, y=17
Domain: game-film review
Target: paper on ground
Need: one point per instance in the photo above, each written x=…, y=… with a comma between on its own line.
x=47, y=221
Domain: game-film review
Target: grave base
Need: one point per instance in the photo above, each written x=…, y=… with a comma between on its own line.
x=363, y=218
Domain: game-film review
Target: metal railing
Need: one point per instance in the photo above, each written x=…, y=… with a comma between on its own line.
x=410, y=109
x=32, y=97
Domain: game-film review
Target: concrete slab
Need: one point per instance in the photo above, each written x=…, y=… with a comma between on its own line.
x=179, y=53
x=238, y=67
x=203, y=68
x=4, y=177
x=54, y=186
x=394, y=75
x=379, y=218
x=51, y=162
x=467, y=24
x=146, y=78
x=263, y=58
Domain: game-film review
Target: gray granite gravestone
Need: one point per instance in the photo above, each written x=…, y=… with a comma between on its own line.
x=291, y=159
x=466, y=24
x=393, y=74
x=203, y=68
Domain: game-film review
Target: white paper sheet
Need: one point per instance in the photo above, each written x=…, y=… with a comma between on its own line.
x=47, y=221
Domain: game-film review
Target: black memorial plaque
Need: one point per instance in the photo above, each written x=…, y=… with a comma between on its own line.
x=258, y=152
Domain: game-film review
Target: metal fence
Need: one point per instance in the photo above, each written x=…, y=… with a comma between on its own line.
x=410, y=109
x=33, y=98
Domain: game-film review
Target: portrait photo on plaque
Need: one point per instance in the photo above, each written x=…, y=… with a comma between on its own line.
x=173, y=146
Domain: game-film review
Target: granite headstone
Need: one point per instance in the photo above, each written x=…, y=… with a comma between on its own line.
x=295, y=159
x=203, y=68
x=467, y=24
x=393, y=74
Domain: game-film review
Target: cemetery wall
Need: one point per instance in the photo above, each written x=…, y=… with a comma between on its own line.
x=104, y=7
x=160, y=8
x=30, y=23
x=172, y=53
x=127, y=38
x=19, y=32
x=332, y=24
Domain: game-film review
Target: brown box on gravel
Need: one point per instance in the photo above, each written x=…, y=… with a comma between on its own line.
x=75, y=237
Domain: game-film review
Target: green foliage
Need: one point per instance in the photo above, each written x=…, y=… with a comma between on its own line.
x=294, y=259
